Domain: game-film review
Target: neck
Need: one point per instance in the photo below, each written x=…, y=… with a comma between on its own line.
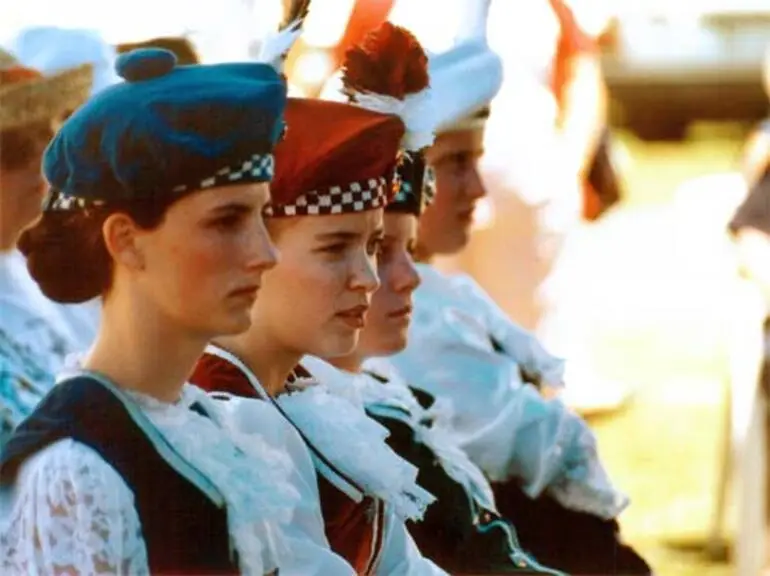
x=9, y=236
x=351, y=363
x=270, y=362
x=140, y=350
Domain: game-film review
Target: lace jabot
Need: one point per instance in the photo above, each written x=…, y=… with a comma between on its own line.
x=431, y=427
x=251, y=476
x=346, y=437
x=356, y=445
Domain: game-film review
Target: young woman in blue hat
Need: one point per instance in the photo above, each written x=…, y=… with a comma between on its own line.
x=157, y=188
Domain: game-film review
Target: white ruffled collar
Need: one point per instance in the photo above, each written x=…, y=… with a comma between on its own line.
x=351, y=441
x=251, y=477
x=431, y=427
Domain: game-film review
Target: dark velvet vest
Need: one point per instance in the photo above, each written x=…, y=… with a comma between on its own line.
x=184, y=531
x=455, y=533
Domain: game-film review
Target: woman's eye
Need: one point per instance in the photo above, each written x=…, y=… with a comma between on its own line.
x=384, y=252
x=334, y=248
x=374, y=246
x=226, y=222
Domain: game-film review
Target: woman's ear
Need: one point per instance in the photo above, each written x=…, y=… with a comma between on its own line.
x=120, y=237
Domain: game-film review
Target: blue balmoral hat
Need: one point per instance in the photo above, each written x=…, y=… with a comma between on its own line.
x=166, y=131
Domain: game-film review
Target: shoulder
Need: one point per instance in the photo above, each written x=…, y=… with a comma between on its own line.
x=69, y=511
x=75, y=468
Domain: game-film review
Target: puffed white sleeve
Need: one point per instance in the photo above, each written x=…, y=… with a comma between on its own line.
x=520, y=344
x=69, y=512
x=399, y=555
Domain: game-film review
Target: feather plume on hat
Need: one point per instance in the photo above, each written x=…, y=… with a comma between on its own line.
x=276, y=46
x=388, y=73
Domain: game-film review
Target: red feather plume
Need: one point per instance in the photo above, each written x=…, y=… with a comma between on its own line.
x=389, y=61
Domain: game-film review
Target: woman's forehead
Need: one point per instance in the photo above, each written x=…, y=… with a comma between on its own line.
x=470, y=142
x=359, y=223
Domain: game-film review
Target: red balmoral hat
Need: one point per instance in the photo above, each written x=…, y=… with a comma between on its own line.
x=341, y=157
x=334, y=159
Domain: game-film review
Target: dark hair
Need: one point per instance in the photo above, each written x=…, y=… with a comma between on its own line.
x=23, y=145
x=65, y=250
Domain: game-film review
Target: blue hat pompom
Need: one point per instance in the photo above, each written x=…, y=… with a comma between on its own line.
x=145, y=64
x=168, y=130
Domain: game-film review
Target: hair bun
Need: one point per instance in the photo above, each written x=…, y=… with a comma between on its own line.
x=68, y=261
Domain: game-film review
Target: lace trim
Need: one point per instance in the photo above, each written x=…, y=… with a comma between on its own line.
x=71, y=513
x=251, y=476
x=356, y=444
x=351, y=441
x=438, y=436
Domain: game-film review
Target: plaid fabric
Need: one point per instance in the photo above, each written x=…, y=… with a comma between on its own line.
x=356, y=197
x=258, y=168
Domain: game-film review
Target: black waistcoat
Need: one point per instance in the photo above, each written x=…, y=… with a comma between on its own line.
x=183, y=530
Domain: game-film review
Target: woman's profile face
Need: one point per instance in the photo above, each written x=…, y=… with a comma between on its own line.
x=391, y=312
x=445, y=228
x=203, y=264
x=316, y=300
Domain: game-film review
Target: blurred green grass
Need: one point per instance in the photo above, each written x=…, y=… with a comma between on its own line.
x=658, y=324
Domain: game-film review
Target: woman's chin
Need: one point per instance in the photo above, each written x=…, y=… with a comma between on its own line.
x=394, y=344
x=337, y=346
x=232, y=324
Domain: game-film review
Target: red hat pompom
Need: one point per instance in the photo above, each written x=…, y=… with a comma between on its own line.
x=389, y=61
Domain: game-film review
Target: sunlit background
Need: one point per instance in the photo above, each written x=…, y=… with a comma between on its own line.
x=663, y=304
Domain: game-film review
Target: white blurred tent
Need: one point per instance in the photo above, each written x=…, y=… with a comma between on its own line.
x=221, y=30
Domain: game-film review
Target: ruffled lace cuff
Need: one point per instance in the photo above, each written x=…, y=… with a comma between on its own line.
x=520, y=344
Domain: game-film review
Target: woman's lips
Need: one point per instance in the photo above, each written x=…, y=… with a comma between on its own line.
x=354, y=317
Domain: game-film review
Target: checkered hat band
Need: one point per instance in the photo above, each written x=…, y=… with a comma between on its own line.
x=355, y=197
x=258, y=168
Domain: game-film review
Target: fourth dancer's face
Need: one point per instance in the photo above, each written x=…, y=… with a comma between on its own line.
x=445, y=227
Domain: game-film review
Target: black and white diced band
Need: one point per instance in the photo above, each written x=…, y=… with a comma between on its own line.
x=355, y=197
x=258, y=168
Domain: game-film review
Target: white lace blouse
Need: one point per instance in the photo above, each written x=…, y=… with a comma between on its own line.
x=70, y=512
